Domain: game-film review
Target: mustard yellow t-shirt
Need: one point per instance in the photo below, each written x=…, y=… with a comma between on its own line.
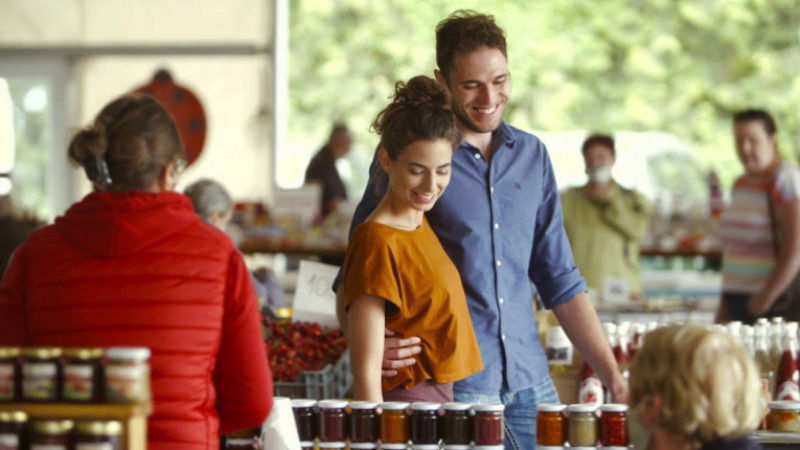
x=412, y=272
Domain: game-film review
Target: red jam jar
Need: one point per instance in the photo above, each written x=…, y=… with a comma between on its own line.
x=614, y=425
x=457, y=424
x=363, y=446
x=425, y=423
x=83, y=375
x=488, y=423
x=307, y=445
x=551, y=424
x=363, y=422
x=10, y=375
x=332, y=421
x=41, y=374
x=305, y=418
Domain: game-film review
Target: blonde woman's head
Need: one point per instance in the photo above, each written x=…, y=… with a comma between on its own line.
x=696, y=382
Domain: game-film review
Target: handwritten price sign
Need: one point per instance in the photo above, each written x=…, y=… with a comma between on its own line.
x=314, y=300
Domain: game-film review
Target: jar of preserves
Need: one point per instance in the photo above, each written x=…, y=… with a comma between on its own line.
x=784, y=415
x=551, y=424
x=127, y=375
x=41, y=374
x=98, y=435
x=332, y=421
x=394, y=446
x=457, y=424
x=331, y=445
x=10, y=374
x=424, y=446
x=83, y=375
x=489, y=447
x=12, y=430
x=456, y=447
x=363, y=445
x=614, y=425
x=425, y=423
x=363, y=422
x=582, y=425
x=50, y=434
x=305, y=418
x=307, y=445
x=395, y=423
x=488, y=424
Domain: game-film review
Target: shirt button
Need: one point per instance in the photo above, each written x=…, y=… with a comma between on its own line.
x=491, y=189
x=503, y=337
x=500, y=300
x=499, y=263
x=496, y=226
x=477, y=156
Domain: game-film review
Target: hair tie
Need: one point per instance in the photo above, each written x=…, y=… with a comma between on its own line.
x=104, y=176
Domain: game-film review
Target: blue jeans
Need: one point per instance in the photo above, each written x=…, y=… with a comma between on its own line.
x=520, y=411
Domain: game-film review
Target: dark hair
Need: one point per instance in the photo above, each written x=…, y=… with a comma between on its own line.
x=420, y=110
x=465, y=31
x=129, y=145
x=760, y=115
x=599, y=139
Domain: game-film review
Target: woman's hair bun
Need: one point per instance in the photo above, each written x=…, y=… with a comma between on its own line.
x=87, y=145
x=420, y=90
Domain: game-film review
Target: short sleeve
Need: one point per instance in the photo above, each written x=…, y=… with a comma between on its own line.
x=787, y=183
x=371, y=267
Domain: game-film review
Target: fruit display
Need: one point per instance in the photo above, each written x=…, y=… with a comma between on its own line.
x=294, y=347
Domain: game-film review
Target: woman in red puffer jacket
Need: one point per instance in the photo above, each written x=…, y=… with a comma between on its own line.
x=132, y=265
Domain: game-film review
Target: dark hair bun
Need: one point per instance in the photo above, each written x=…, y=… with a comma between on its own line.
x=86, y=147
x=420, y=90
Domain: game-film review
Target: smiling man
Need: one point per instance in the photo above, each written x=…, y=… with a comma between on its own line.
x=500, y=222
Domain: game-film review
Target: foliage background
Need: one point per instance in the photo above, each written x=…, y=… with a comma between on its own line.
x=681, y=66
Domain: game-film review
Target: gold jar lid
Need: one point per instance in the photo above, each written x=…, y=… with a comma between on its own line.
x=99, y=428
x=52, y=427
x=41, y=352
x=9, y=352
x=84, y=353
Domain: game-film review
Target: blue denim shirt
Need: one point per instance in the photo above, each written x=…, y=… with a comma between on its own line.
x=502, y=226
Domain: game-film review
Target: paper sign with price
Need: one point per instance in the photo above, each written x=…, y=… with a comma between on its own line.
x=313, y=299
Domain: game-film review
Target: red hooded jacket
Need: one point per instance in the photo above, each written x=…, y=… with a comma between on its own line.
x=140, y=269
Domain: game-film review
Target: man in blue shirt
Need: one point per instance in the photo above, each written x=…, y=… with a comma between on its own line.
x=500, y=222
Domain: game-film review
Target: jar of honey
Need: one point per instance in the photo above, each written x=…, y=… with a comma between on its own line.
x=83, y=375
x=305, y=418
x=364, y=425
x=41, y=374
x=457, y=424
x=98, y=434
x=10, y=374
x=425, y=423
x=551, y=424
x=582, y=425
x=127, y=375
x=332, y=421
x=614, y=425
x=395, y=423
x=488, y=424
x=784, y=415
x=13, y=434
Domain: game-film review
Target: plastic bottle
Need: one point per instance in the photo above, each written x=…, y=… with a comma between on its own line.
x=788, y=377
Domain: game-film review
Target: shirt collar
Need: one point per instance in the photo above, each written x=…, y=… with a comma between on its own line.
x=503, y=135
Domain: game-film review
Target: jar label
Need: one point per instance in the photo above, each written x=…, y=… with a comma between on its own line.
x=558, y=347
x=39, y=382
x=6, y=383
x=78, y=382
x=591, y=391
x=125, y=383
x=9, y=441
x=788, y=391
x=94, y=446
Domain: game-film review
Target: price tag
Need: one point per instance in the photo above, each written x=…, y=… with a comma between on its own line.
x=616, y=290
x=314, y=300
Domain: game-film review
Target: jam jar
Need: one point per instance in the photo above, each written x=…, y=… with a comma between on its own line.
x=425, y=423
x=784, y=415
x=306, y=445
x=457, y=424
x=50, y=435
x=41, y=374
x=332, y=425
x=363, y=445
x=127, y=374
x=363, y=422
x=551, y=424
x=305, y=418
x=488, y=423
x=98, y=435
x=582, y=425
x=331, y=445
x=83, y=375
x=614, y=425
x=13, y=435
x=10, y=374
x=395, y=423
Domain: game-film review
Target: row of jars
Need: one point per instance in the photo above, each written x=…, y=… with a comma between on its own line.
x=74, y=375
x=396, y=424
x=580, y=426
x=17, y=433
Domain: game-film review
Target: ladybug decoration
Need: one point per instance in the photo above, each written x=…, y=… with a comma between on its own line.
x=185, y=108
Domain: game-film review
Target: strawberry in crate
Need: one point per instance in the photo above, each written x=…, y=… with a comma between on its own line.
x=294, y=347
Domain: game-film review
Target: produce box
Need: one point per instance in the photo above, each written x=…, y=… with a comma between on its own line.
x=332, y=382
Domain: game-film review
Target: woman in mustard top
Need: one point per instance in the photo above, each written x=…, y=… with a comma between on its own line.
x=397, y=276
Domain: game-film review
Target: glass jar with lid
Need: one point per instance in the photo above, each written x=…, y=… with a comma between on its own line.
x=305, y=418
x=582, y=425
x=50, y=435
x=551, y=424
x=13, y=435
x=363, y=445
x=363, y=422
x=332, y=426
x=395, y=423
x=98, y=435
x=614, y=425
x=425, y=423
x=41, y=374
x=127, y=375
x=83, y=375
x=457, y=424
x=784, y=415
x=488, y=424
x=331, y=445
x=10, y=374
